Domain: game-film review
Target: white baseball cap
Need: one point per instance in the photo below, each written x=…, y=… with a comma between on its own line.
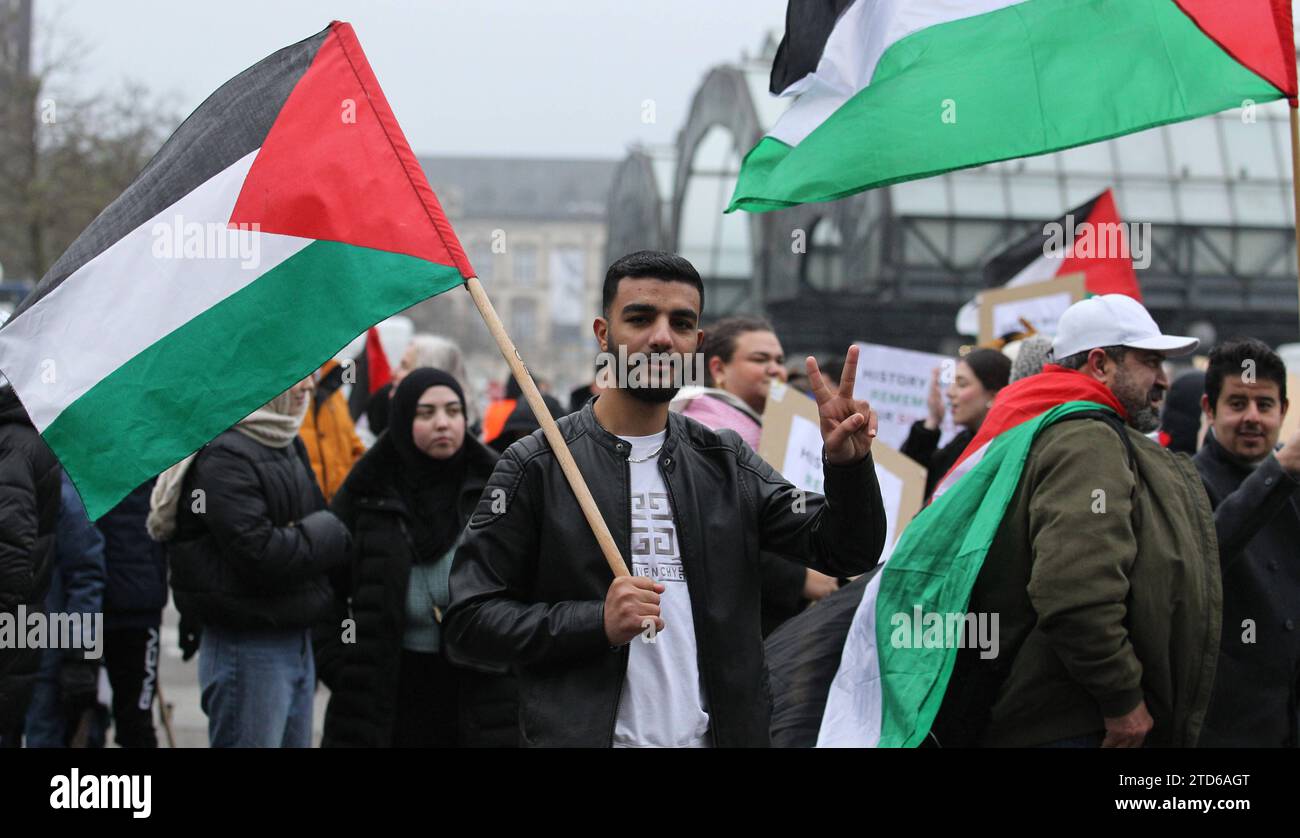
x=1114, y=320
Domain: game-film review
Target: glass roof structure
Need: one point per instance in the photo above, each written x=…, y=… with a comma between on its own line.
x=1216, y=191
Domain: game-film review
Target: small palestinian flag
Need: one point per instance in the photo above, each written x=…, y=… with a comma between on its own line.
x=283, y=218
x=378, y=372
x=1089, y=239
x=894, y=91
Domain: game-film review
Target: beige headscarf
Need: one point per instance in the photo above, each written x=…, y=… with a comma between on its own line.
x=274, y=425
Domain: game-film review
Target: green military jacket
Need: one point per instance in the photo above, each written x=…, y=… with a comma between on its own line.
x=1105, y=578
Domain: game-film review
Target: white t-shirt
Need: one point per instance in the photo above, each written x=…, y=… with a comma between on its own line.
x=662, y=703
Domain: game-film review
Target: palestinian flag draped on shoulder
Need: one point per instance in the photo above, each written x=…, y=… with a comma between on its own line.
x=894, y=90
x=284, y=217
x=886, y=693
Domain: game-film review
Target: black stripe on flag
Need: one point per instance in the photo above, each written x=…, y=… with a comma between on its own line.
x=229, y=124
x=1001, y=268
x=808, y=23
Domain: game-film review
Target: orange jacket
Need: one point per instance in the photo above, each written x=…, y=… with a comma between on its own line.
x=331, y=438
x=495, y=418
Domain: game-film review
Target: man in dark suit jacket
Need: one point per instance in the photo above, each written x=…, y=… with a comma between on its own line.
x=1257, y=517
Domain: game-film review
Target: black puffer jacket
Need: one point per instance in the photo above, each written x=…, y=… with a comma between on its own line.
x=363, y=676
x=922, y=445
x=30, y=479
x=257, y=554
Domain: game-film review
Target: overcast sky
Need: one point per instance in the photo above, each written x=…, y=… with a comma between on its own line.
x=549, y=78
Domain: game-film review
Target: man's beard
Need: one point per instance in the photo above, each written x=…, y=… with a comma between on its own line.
x=638, y=387
x=1142, y=415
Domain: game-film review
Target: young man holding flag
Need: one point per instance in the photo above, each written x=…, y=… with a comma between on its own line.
x=670, y=656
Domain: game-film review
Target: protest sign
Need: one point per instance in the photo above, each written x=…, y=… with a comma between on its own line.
x=792, y=444
x=896, y=382
x=1040, y=304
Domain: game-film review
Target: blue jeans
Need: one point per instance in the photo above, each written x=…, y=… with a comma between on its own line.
x=257, y=687
x=48, y=724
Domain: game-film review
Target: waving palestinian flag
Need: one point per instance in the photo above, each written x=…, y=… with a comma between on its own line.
x=899, y=90
x=884, y=696
x=283, y=218
x=1103, y=257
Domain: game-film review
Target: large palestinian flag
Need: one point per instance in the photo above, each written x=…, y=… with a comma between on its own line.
x=893, y=91
x=888, y=689
x=1094, y=242
x=284, y=217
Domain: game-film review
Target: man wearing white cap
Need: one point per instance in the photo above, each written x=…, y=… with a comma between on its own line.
x=1114, y=339
x=1103, y=572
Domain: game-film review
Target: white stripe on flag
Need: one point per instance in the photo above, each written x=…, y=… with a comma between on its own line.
x=960, y=470
x=126, y=299
x=854, y=705
x=861, y=37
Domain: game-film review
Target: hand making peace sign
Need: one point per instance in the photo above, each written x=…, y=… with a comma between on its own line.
x=848, y=424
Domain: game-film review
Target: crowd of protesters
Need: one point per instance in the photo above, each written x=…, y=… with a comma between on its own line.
x=430, y=566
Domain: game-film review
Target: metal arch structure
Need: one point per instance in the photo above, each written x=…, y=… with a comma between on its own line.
x=635, y=209
x=910, y=263
x=722, y=100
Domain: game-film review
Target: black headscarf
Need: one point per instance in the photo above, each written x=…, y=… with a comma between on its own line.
x=431, y=488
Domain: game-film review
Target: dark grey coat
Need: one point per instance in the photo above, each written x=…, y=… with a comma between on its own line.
x=1257, y=517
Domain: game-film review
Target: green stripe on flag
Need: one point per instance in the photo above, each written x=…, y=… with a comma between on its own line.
x=196, y=382
x=935, y=566
x=1028, y=79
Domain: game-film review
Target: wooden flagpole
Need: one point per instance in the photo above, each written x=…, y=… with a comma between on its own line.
x=561, y=449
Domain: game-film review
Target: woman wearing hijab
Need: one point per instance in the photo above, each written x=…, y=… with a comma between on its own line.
x=978, y=377
x=405, y=502
x=250, y=543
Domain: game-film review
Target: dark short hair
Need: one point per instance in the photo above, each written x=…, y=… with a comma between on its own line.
x=650, y=264
x=1078, y=359
x=991, y=367
x=720, y=338
x=1229, y=358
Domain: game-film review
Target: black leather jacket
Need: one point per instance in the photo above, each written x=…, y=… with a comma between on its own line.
x=529, y=582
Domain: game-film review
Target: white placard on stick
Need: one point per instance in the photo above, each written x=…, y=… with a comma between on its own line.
x=896, y=382
x=1040, y=304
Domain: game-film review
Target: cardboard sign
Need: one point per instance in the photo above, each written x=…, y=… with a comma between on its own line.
x=792, y=444
x=896, y=382
x=1292, y=421
x=1040, y=304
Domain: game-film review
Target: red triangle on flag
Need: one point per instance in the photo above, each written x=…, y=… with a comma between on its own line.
x=1110, y=273
x=336, y=166
x=1256, y=33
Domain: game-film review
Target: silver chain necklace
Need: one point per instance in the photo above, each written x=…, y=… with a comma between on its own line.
x=649, y=456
